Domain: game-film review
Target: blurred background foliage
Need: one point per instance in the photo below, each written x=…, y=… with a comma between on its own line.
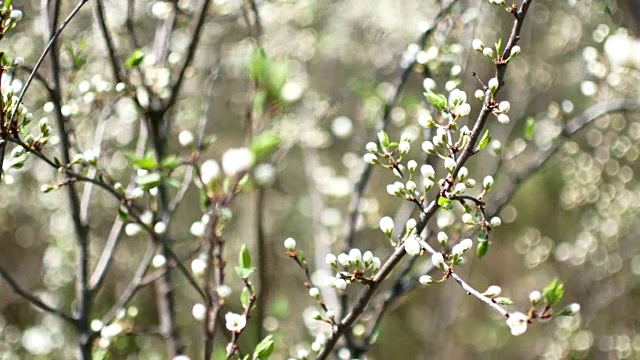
x=331, y=66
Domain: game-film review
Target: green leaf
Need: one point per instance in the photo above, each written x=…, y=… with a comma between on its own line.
x=244, y=257
x=170, y=163
x=135, y=59
x=244, y=298
x=122, y=215
x=438, y=101
x=499, y=47
x=149, y=181
x=244, y=273
x=553, y=292
x=484, y=141
x=264, y=145
x=482, y=248
x=7, y=3
x=528, y=128
x=445, y=203
x=147, y=162
x=264, y=349
x=383, y=139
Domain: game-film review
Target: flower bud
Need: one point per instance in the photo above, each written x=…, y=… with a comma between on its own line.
x=367, y=257
x=535, y=297
x=410, y=186
x=493, y=85
x=438, y=261
x=314, y=292
x=496, y=221
x=425, y=120
x=503, y=119
x=412, y=165
x=463, y=109
x=443, y=238
x=386, y=225
x=488, y=52
x=404, y=147
x=344, y=260
x=355, y=256
x=372, y=147
x=487, y=183
x=412, y=246
x=370, y=158
x=340, y=284
x=463, y=173
x=450, y=164
x=331, y=260
x=428, y=147
x=375, y=264
x=504, y=106
x=515, y=51
x=426, y=280
x=477, y=45
x=290, y=244
x=492, y=291
x=467, y=218
x=479, y=94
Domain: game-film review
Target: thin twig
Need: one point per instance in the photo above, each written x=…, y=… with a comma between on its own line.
x=33, y=299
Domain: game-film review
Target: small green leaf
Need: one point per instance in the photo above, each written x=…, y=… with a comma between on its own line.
x=244, y=257
x=244, y=298
x=264, y=349
x=383, y=139
x=499, y=47
x=438, y=101
x=149, y=181
x=170, y=163
x=553, y=292
x=147, y=162
x=503, y=301
x=484, y=141
x=482, y=248
x=264, y=144
x=445, y=203
x=244, y=273
x=135, y=59
x=528, y=128
x=122, y=215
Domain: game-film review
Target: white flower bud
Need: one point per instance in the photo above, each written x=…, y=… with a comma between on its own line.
x=535, y=297
x=443, y=238
x=492, y=291
x=496, y=221
x=428, y=147
x=343, y=259
x=438, y=261
x=463, y=173
x=198, y=267
x=427, y=172
x=515, y=51
x=466, y=244
x=16, y=15
x=493, y=85
x=487, y=183
x=471, y=183
x=477, y=45
x=290, y=244
x=367, y=257
x=425, y=120
x=370, y=158
x=488, y=52
x=460, y=188
x=375, y=264
x=314, y=292
x=372, y=147
x=503, y=119
x=412, y=165
x=573, y=309
x=186, y=138
x=426, y=280
x=456, y=251
x=386, y=225
x=406, y=136
x=160, y=227
x=428, y=184
x=450, y=164
x=209, y=171
x=355, y=256
x=18, y=61
x=340, y=284
x=463, y=109
x=458, y=96
x=412, y=246
x=467, y=218
x=331, y=260
x=411, y=224
x=410, y=186
x=504, y=106
x=404, y=147
x=479, y=94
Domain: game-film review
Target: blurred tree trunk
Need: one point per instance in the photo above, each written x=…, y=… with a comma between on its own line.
x=631, y=11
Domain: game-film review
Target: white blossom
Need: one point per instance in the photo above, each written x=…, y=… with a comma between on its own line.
x=367, y=257
x=209, y=171
x=479, y=94
x=493, y=84
x=344, y=260
x=236, y=161
x=425, y=120
x=197, y=229
x=372, y=147
x=467, y=218
x=466, y=244
x=463, y=109
x=235, y=322
x=460, y=188
x=503, y=119
x=355, y=256
x=496, y=221
x=410, y=186
x=427, y=171
x=198, y=267
x=404, y=147
x=376, y=263
x=488, y=52
x=412, y=165
x=370, y=158
x=517, y=322
x=487, y=183
x=515, y=51
x=314, y=292
x=199, y=311
x=443, y=238
x=186, y=138
x=428, y=147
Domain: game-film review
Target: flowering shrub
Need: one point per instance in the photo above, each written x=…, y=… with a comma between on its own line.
x=159, y=157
